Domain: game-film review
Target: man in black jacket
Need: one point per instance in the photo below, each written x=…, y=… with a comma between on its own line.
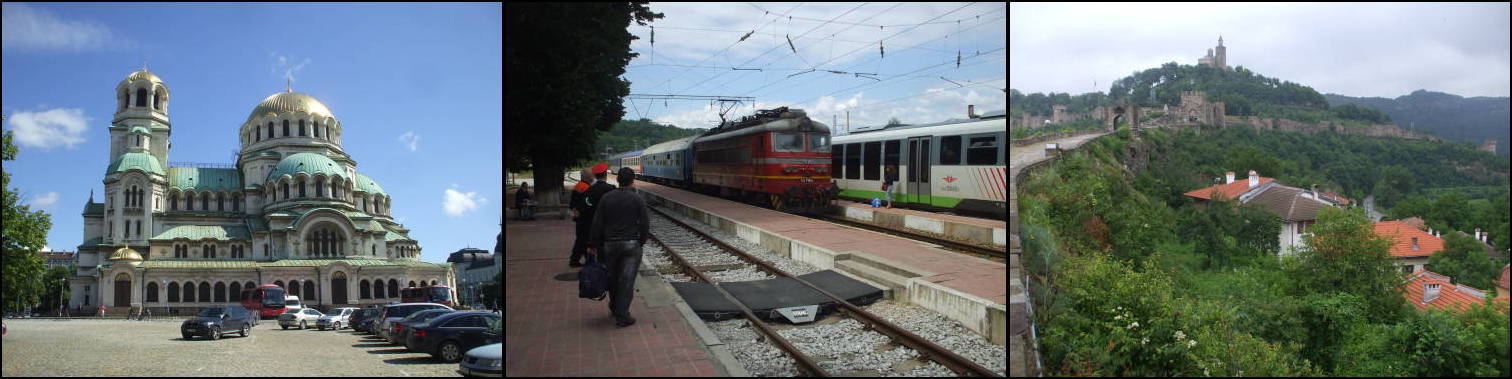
x=621, y=227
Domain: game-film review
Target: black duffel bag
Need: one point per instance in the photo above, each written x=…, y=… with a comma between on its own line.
x=593, y=280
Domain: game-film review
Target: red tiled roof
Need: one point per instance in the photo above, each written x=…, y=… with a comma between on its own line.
x=1231, y=190
x=1415, y=222
x=1449, y=294
x=1506, y=278
x=1400, y=235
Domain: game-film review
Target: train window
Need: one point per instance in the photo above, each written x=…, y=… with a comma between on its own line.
x=852, y=161
x=819, y=143
x=982, y=151
x=837, y=165
x=873, y=161
x=950, y=150
x=787, y=142
x=890, y=158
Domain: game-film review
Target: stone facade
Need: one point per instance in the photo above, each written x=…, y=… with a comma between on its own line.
x=1488, y=146
x=1216, y=57
x=1195, y=108
x=1378, y=130
x=292, y=211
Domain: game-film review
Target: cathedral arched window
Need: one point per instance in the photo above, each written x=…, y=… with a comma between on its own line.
x=204, y=201
x=125, y=98
x=220, y=201
x=257, y=136
x=319, y=188
x=236, y=203
x=188, y=292
x=139, y=228
x=364, y=290
x=173, y=292
x=173, y=200
x=286, y=128
x=317, y=129
x=301, y=128
x=270, y=130
x=285, y=190
x=204, y=292
x=139, y=140
x=157, y=100
x=301, y=188
x=141, y=97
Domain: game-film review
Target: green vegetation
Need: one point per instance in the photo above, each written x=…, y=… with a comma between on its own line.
x=1074, y=126
x=1449, y=116
x=1130, y=278
x=25, y=232
x=1464, y=260
x=630, y=135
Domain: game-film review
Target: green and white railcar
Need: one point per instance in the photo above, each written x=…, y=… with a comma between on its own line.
x=959, y=165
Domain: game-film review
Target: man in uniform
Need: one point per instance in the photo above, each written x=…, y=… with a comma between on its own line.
x=580, y=243
x=619, y=230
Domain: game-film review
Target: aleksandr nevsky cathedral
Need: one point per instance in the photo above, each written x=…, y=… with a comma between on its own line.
x=293, y=211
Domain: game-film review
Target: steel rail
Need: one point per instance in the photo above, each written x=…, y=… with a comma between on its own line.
x=927, y=350
x=806, y=364
x=997, y=253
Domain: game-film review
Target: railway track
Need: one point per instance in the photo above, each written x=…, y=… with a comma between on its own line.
x=986, y=252
x=705, y=258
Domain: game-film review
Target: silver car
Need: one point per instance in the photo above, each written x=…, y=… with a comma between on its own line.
x=338, y=318
x=394, y=312
x=298, y=317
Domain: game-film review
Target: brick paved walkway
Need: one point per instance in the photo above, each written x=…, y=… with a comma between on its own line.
x=551, y=332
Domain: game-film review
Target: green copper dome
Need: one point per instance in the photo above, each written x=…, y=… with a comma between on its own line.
x=366, y=184
x=135, y=161
x=308, y=163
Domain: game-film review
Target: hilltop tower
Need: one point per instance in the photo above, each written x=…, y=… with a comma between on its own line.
x=1221, y=55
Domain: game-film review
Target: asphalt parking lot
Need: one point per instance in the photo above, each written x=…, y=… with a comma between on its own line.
x=42, y=347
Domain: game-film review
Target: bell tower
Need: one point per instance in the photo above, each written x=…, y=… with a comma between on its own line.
x=141, y=122
x=1221, y=54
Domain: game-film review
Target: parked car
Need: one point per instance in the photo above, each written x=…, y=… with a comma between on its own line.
x=395, y=312
x=363, y=320
x=292, y=302
x=213, y=321
x=486, y=360
x=398, y=329
x=301, y=317
x=336, y=319
x=446, y=337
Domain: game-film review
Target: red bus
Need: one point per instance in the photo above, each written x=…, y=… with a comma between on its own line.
x=428, y=294
x=266, y=300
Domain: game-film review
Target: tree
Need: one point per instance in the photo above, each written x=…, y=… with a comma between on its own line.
x=25, y=232
x=561, y=93
x=1343, y=254
x=1464, y=259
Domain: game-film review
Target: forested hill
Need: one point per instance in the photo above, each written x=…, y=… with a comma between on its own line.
x=630, y=135
x=1244, y=93
x=1457, y=118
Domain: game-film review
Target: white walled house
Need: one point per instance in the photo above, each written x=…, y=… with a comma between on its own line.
x=1298, y=208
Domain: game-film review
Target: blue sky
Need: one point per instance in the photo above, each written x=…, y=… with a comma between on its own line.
x=417, y=88
x=826, y=36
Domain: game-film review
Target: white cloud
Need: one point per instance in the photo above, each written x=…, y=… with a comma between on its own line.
x=50, y=128
x=455, y=203
x=410, y=140
x=289, y=71
x=45, y=200
x=28, y=28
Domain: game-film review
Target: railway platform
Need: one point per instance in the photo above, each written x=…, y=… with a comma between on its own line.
x=973, y=230
x=551, y=332
x=969, y=290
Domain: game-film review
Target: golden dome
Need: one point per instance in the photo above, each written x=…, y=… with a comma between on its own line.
x=141, y=75
x=290, y=102
x=125, y=254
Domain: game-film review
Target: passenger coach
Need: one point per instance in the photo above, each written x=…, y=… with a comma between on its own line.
x=957, y=165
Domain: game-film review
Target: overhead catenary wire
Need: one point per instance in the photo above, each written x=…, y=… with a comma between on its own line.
x=879, y=58
x=775, y=47
x=858, y=49
x=855, y=23
x=726, y=49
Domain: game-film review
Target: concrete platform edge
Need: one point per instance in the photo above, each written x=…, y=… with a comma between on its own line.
x=724, y=361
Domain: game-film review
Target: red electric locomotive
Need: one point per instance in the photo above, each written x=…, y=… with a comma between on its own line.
x=778, y=156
